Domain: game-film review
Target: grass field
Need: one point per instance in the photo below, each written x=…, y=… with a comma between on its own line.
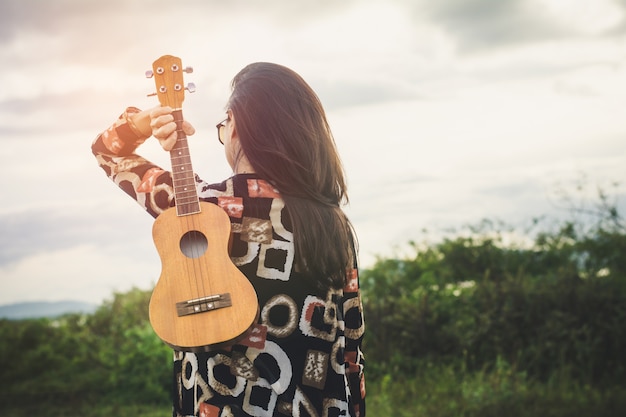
x=436, y=392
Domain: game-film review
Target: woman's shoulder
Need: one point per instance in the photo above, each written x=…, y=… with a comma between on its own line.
x=239, y=185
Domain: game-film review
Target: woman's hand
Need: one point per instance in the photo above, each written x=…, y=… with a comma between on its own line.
x=164, y=127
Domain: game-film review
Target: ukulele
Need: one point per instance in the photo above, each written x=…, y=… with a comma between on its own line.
x=201, y=301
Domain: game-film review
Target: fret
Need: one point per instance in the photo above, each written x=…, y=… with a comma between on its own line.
x=187, y=180
x=185, y=192
x=182, y=169
x=180, y=150
x=184, y=179
x=179, y=159
x=184, y=189
x=187, y=210
x=182, y=198
x=188, y=203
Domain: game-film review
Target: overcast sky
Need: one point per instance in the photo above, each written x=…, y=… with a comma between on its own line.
x=445, y=112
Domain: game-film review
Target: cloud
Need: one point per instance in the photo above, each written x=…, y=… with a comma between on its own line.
x=63, y=226
x=481, y=25
x=84, y=272
x=353, y=93
x=47, y=114
x=116, y=18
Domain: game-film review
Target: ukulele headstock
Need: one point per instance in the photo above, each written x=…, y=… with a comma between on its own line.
x=168, y=77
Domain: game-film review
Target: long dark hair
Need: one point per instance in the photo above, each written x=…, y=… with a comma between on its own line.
x=285, y=135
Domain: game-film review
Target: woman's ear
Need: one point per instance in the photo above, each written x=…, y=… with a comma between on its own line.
x=233, y=127
x=237, y=159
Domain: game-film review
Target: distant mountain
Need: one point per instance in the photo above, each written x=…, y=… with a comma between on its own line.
x=38, y=309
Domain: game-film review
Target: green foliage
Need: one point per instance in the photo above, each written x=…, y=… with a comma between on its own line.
x=110, y=357
x=481, y=324
x=139, y=361
x=442, y=390
x=558, y=302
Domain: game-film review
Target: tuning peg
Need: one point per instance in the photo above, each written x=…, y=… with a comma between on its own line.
x=191, y=87
x=149, y=74
x=151, y=95
x=188, y=70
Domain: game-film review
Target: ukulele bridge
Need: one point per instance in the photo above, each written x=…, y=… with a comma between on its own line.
x=203, y=304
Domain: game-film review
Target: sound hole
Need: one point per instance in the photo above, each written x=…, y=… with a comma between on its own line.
x=193, y=244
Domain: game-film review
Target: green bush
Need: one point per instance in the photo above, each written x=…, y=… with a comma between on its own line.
x=551, y=306
x=111, y=357
x=479, y=324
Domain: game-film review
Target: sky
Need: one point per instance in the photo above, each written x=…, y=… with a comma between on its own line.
x=445, y=113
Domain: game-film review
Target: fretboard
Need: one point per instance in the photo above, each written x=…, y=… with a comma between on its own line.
x=182, y=172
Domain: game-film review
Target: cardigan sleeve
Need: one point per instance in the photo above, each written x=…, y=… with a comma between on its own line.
x=145, y=182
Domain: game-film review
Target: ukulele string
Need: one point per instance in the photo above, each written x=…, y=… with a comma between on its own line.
x=194, y=236
x=186, y=242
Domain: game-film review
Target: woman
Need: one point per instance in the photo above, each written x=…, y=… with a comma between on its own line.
x=290, y=239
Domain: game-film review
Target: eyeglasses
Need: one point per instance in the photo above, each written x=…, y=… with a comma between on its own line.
x=219, y=126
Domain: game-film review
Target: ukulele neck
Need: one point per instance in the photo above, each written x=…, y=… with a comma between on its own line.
x=182, y=172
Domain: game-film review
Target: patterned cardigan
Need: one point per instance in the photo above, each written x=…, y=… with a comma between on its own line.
x=307, y=358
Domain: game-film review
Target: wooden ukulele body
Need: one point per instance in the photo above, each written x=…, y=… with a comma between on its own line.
x=201, y=301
